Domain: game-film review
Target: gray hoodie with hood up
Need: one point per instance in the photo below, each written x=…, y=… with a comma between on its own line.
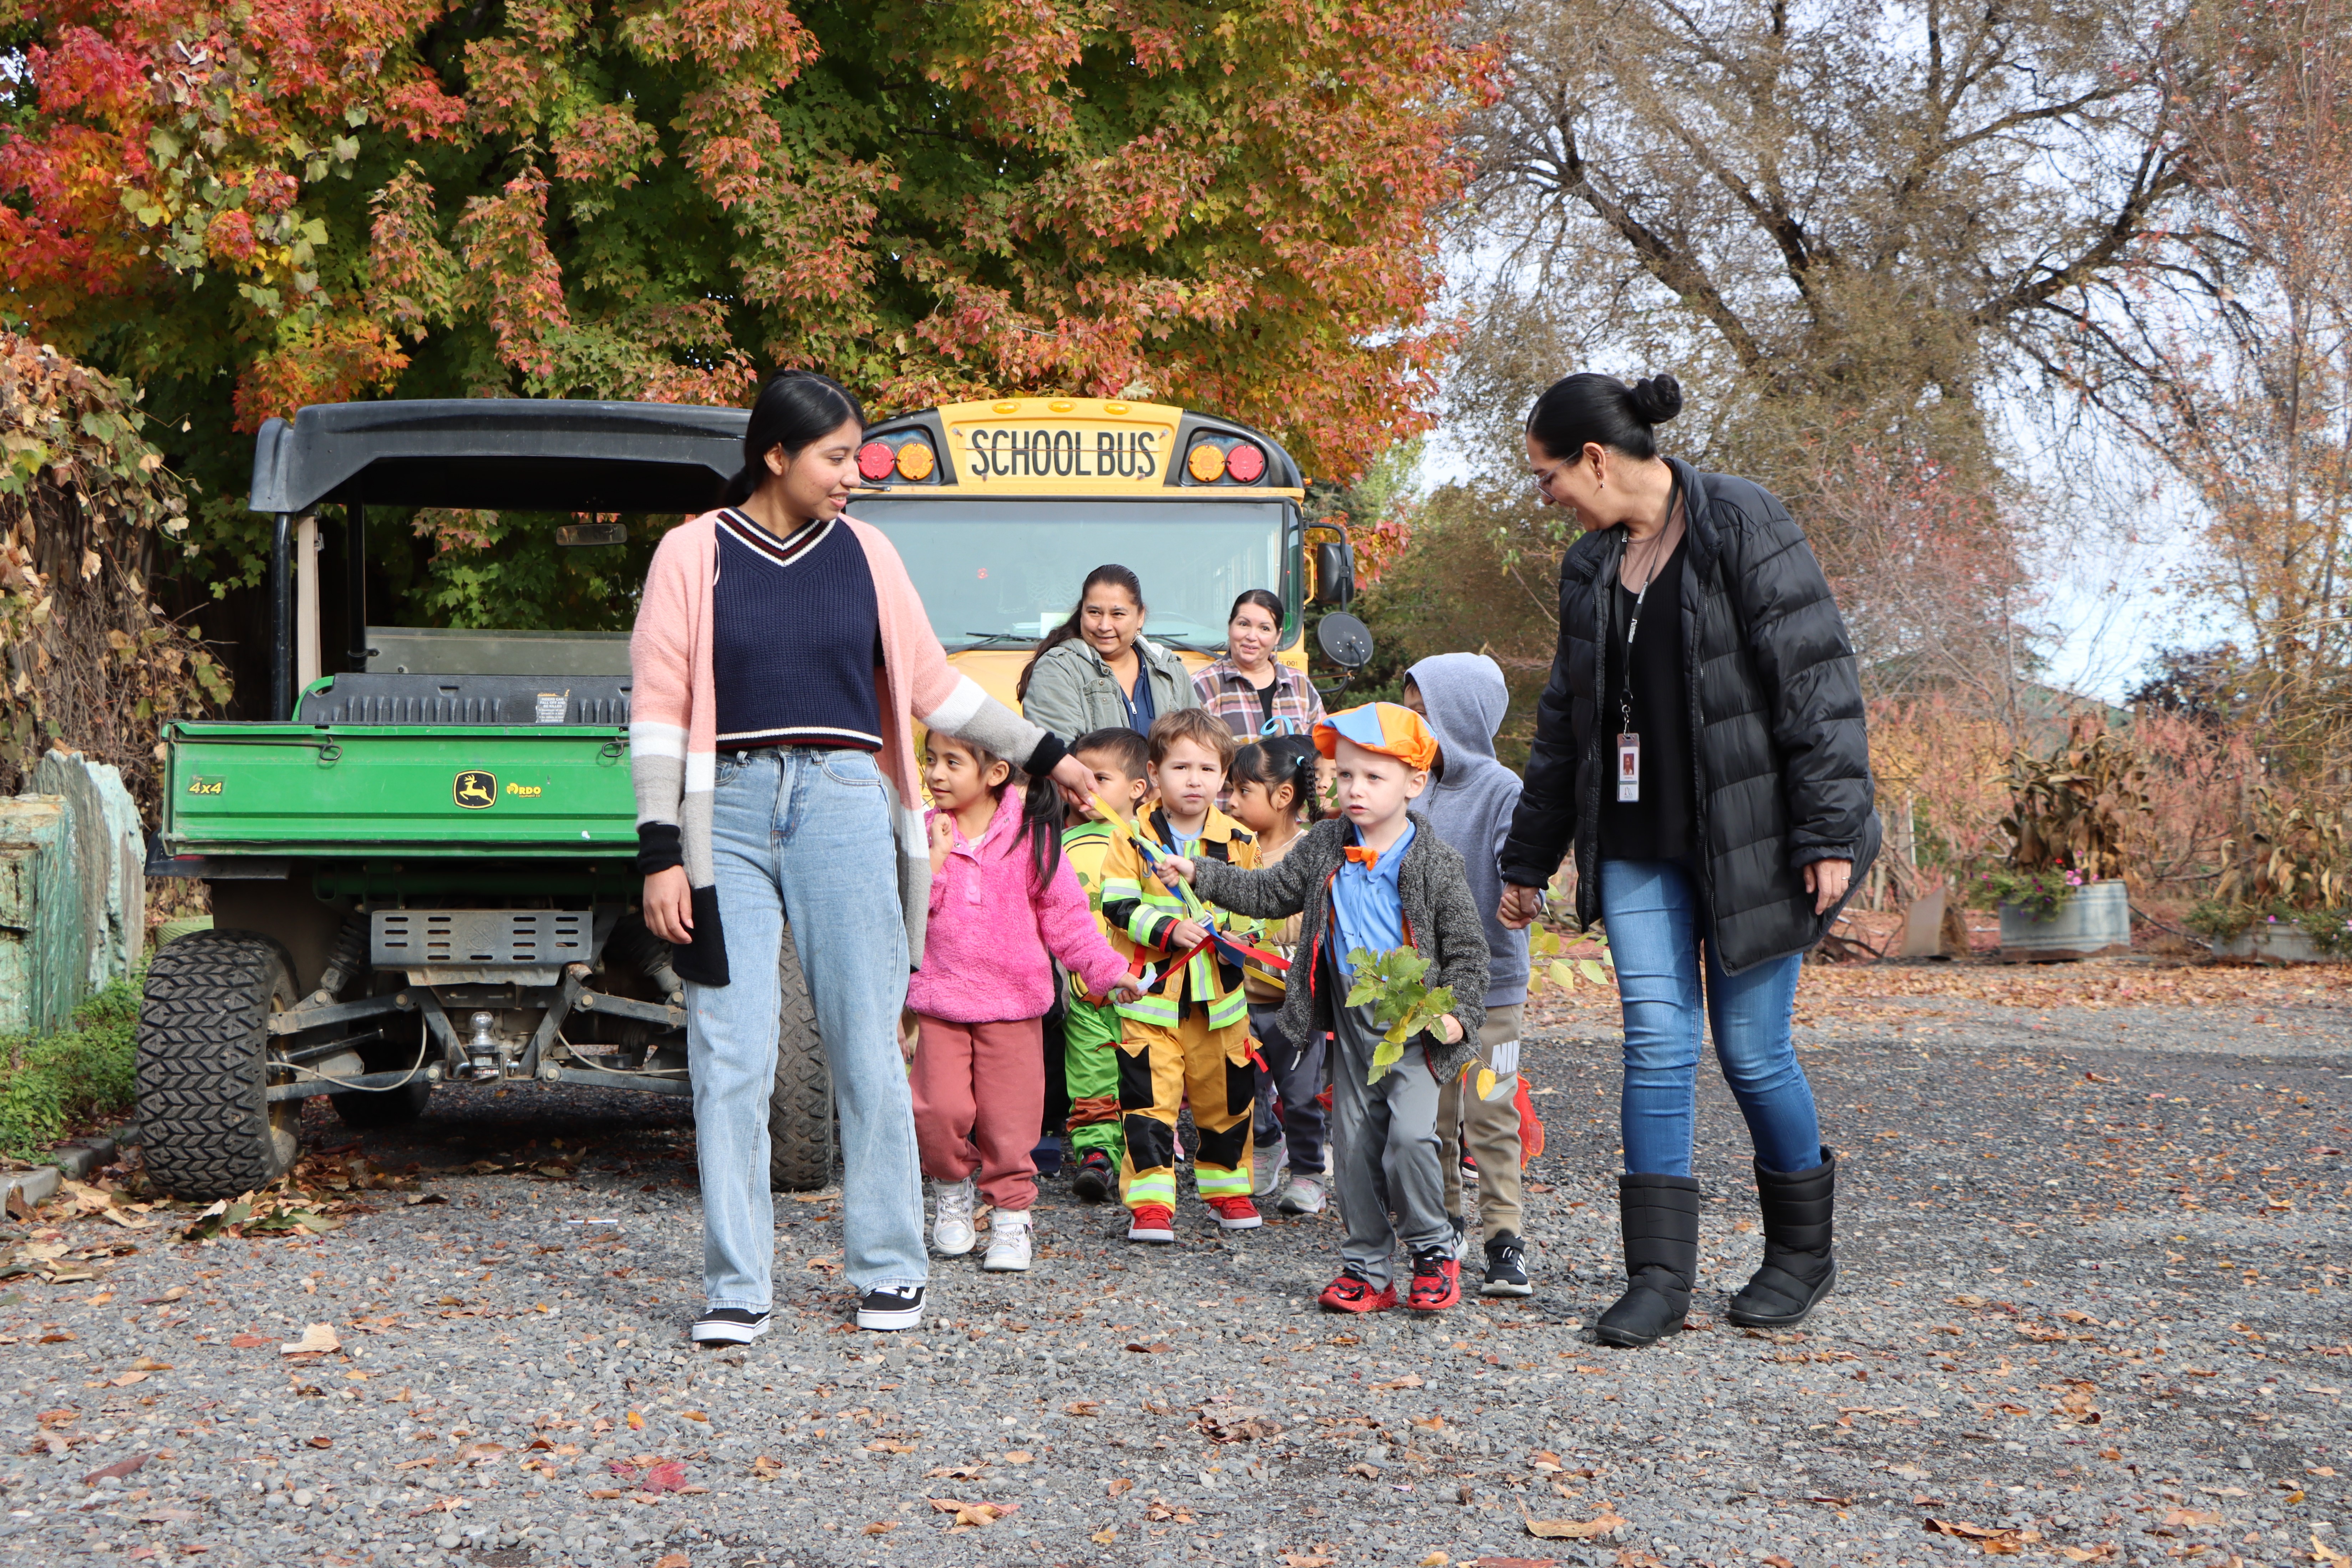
x=1466, y=698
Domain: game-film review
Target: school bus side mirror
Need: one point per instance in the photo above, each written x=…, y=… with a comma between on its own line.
x=1334, y=572
x=1345, y=640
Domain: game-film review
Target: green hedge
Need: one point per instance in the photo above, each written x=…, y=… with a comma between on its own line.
x=62, y=1080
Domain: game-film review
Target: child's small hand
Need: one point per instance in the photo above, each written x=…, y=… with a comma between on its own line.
x=1128, y=987
x=1447, y=1028
x=1186, y=935
x=909, y=1032
x=1172, y=870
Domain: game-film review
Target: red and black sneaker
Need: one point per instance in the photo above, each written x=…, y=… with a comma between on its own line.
x=1351, y=1292
x=1151, y=1222
x=1436, y=1281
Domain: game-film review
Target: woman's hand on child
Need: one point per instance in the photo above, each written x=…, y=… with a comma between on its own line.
x=1186, y=935
x=1174, y=869
x=1078, y=784
x=1520, y=906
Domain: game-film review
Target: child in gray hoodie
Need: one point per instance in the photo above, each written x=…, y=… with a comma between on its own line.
x=1463, y=698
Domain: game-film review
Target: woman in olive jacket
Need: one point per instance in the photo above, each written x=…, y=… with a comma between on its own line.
x=1098, y=671
x=1700, y=746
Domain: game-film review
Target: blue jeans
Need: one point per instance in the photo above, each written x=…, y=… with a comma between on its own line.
x=806, y=831
x=1656, y=937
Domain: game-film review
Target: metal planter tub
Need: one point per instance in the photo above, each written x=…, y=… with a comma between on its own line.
x=2094, y=922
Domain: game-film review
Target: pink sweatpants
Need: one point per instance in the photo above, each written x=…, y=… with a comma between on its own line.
x=980, y=1097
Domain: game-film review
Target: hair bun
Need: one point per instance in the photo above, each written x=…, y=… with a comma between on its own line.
x=1657, y=400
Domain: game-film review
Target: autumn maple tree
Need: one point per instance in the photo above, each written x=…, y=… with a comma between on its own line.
x=251, y=206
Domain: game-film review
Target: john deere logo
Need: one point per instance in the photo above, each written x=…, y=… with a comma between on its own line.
x=477, y=791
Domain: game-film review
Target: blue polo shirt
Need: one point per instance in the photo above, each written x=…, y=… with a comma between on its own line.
x=1365, y=905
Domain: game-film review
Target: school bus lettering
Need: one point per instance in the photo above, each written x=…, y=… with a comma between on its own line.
x=1064, y=453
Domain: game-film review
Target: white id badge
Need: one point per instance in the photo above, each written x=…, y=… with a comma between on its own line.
x=1629, y=767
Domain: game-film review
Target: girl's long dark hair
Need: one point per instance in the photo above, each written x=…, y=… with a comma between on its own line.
x=795, y=408
x=1043, y=815
x=1107, y=573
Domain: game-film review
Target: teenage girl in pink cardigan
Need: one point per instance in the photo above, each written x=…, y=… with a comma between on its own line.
x=1005, y=904
x=782, y=660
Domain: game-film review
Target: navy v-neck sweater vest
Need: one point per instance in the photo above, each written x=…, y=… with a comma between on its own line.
x=795, y=638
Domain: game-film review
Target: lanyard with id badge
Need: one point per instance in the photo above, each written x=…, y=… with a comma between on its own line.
x=1629, y=740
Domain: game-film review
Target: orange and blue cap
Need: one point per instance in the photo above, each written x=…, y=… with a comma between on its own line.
x=1385, y=727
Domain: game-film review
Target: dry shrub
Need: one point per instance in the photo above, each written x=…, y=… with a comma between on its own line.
x=93, y=663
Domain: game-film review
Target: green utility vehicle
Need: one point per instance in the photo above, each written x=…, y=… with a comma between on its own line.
x=422, y=869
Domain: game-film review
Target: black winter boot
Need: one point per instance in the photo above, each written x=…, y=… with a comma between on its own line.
x=1660, y=1215
x=1800, y=1264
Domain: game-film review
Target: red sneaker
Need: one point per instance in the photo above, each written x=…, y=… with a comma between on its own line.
x=1151, y=1222
x=1436, y=1281
x=1235, y=1214
x=1351, y=1292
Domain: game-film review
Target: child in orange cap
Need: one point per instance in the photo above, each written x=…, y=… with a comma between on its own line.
x=1376, y=879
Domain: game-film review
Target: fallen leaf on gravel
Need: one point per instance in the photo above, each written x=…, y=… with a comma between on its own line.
x=2000, y=1543
x=606, y=1494
x=830, y=1264
x=127, y=1379
x=120, y=1469
x=637, y=1422
x=1104, y=1536
x=1434, y=1560
x=479, y=1453
x=59, y=1338
x=882, y=1526
x=973, y=1515
x=1156, y=1347
x=1542, y=1459
x=1305, y=1560
x=1410, y=1380
x=703, y=1416
x=1908, y=1472
x=416, y=1197
x=673, y=1559
x=1156, y=1510
x=1606, y=1523
x=1016, y=1457
x=1122, y=1485
x=322, y=1442
x=316, y=1337
x=1365, y=1470
x=1778, y=1562
x=1082, y=1408
x=2105, y=1551
x=766, y=1468
x=149, y=1363
x=1514, y=1563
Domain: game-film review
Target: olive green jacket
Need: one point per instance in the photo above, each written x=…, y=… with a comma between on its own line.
x=1072, y=691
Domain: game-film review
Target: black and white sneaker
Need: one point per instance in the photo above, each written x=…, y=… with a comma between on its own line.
x=1506, y=1267
x=891, y=1307
x=729, y=1325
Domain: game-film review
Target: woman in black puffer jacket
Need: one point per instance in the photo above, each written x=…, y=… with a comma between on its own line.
x=1701, y=747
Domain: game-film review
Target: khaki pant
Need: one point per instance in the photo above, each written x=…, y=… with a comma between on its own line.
x=1492, y=1131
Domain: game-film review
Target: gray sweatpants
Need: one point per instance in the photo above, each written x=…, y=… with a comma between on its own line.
x=1385, y=1155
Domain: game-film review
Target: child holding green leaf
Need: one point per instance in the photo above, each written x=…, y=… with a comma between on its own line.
x=1392, y=962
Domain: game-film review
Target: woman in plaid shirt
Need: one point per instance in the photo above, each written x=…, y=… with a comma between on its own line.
x=1256, y=697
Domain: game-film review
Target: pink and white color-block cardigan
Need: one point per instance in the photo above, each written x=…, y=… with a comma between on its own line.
x=674, y=726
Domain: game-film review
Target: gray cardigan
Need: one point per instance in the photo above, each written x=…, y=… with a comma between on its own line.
x=1441, y=921
x=1072, y=691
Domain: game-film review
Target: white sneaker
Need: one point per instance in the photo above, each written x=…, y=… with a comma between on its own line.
x=1303, y=1195
x=951, y=1232
x=1269, y=1180
x=1008, y=1243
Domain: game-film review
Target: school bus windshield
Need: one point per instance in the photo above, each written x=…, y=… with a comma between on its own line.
x=1002, y=574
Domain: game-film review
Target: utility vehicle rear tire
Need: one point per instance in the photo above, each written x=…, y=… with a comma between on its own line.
x=383, y=1107
x=800, y=1106
x=206, y=1128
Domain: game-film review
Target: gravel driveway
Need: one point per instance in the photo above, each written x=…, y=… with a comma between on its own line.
x=2093, y=1310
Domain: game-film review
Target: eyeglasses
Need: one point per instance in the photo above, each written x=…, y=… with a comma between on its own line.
x=1543, y=476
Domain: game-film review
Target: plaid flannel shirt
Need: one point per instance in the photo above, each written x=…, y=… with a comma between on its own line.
x=1226, y=692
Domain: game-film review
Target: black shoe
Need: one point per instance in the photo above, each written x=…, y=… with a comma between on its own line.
x=1506, y=1267
x=1096, y=1178
x=889, y=1308
x=1048, y=1156
x=1799, y=1264
x=728, y=1326
x=1660, y=1216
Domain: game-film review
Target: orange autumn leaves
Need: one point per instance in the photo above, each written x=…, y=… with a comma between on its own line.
x=1224, y=207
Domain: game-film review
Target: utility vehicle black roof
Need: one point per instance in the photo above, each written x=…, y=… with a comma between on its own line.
x=541, y=455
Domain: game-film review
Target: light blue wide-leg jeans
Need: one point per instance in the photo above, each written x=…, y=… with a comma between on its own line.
x=1650, y=909
x=805, y=833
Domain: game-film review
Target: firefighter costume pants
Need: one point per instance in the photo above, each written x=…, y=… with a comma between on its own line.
x=1159, y=1071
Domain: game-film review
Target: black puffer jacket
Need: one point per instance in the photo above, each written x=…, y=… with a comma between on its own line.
x=1775, y=719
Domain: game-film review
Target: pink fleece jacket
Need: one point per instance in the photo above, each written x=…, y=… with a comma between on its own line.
x=992, y=926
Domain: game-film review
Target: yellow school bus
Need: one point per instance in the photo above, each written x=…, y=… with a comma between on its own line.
x=1001, y=508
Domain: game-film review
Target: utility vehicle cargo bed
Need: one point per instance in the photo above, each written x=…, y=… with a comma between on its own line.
x=425, y=790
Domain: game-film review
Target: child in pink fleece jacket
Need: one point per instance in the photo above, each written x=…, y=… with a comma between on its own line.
x=1003, y=905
